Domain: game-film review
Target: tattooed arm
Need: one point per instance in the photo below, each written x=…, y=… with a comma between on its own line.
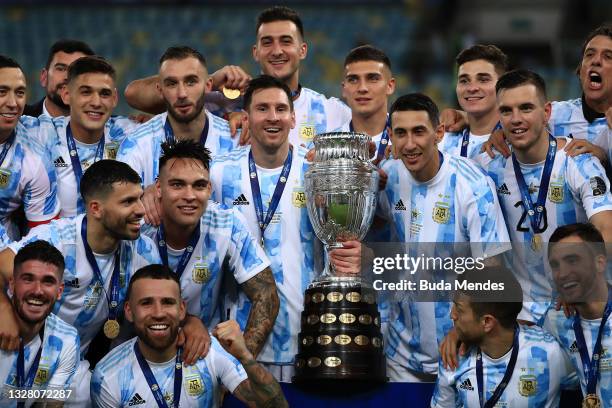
x=260, y=389
x=261, y=291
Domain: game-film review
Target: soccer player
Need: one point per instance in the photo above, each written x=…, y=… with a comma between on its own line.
x=577, y=256
x=149, y=368
x=89, y=134
x=366, y=87
x=183, y=82
x=53, y=77
x=25, y=178
x=48, y=353
x=265, y=182
x=438, y=198
x=540, y=187
x=478, y=69
x=197, y=238
x=506, y=364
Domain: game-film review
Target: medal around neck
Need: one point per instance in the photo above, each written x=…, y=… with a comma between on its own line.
x=340, y=336
x=231, y=93
x=111, y=329
x=591, y=401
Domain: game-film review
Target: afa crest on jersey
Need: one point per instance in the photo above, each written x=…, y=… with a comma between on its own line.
x=527, y=385
x=298, y=198
x=555, y=192
x=200, y=273
x=194, y=386
x=5, y=177
x=42, y=375
x=111, y=149
x=441, y=212
x=307, y=132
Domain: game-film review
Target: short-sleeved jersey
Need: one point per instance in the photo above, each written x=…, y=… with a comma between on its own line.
x=567, y=118
x=289, y=241
x=83, y=303
x=25, y=178
x=314, y=114
x=58, y=360
x=53, y=137
x=224, y=236
x=562, y=328
x=578, y=189
x=118, y=380
x=452, y=141
x=142, y=148
x=458, y=205
x=541, y=370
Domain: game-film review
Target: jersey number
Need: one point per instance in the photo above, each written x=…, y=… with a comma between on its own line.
x=519, y=224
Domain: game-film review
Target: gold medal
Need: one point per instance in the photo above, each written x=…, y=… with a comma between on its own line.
x=231, y=93
x=591, y=401
x=536, y=242
x=111, y=329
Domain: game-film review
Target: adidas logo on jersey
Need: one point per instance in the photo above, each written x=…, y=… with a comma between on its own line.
x=241, y=200
x=59, y=162
x=399, y=206
x=574, y=347
x=73, y=283
x=467, y=385
x=503, y=189
x=136, y=400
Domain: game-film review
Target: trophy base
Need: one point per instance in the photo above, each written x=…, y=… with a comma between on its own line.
x=340, y=336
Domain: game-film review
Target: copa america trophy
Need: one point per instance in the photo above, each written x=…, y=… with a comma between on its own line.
x=340, y=334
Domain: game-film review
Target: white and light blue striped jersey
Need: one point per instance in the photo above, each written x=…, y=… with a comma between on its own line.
x=458, y=205
x=118, y=380
x=58, y=360
x=53, y=137
x=567, y=118
x=224, y=236
x=83, y=303
x=542, y=370
x=562, y=328
x=314, y=114
x=142, y=148
x=452, y=141
x=26, y=178
x=4, y=238
x=578, y=189
x=289, y=241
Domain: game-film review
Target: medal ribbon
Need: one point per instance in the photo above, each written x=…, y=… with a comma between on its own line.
x=466, y=139
x=113, y=301
x=170, y=133
x=384, y=139
x=499, y=390
x=74, y=154
x=276, y=196
x=155, y=389
x=22, y=381
x=7, y=146
x=535, y=214
x=590, y=367
x=163, y=248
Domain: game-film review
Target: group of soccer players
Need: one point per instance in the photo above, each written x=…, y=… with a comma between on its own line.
x=182, y=244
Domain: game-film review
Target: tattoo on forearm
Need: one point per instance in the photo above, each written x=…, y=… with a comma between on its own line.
x=261, y=390
x=261, y=291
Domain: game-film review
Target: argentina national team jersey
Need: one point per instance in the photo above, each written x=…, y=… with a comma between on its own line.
x=289, y=241
x=458, y=205
x=57, y=365
x=118, y=380
x=142, y=148
x=26, y=178
x=4, y=238
x=83, y=303
x=562, y=328
x=452, y=141
x=314, y=114
x=567, y=118
x=224, y=235
x=53, y=137
x=578, y=189
x=541, y=370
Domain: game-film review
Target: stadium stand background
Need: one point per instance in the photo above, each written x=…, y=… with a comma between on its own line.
x=420, y=36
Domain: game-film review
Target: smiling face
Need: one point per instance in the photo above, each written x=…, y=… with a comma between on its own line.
x=183, y=84
x=12, y=99
x=270, y=118
x=596, y=73
x=476, y=87
x=36, y=286
x=279, y=50
x=366, y=87
x=121, y=211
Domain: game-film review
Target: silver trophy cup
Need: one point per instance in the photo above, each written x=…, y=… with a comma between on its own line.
x=340, y=335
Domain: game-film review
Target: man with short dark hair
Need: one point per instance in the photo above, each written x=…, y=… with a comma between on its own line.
x=506, y=364
x=48, y=353
x=149, y=367
x=53, y=77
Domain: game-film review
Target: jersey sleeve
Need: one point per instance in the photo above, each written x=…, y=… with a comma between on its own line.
x=41, y=232
x=589, y=184
x=338, y=113
x=40, y=191
x=102, y=394
x=69, y=361
x=247, y=257
x=229, y=370
x=131, y=152
x=444, y=395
